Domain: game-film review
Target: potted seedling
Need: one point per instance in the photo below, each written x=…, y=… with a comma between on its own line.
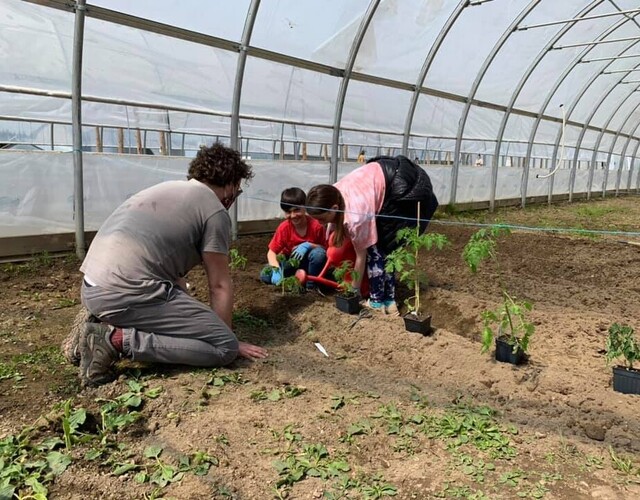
x=621, y=343
x=405, y=260
x=347, y=298
x=513, y=330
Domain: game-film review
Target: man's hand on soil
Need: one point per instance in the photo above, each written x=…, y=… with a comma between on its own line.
x=251, y=351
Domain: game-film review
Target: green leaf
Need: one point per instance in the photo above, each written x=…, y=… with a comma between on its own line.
x=153, y=393
x=58, y=462
x=152, y=451
x=141, y=477
x=124, y=468
x=7, y=492
x=274, y=395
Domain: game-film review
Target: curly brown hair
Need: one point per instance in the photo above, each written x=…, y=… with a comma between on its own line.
x=219, y=165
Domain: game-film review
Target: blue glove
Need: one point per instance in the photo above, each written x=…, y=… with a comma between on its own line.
x=276, y=276
x=301, y=250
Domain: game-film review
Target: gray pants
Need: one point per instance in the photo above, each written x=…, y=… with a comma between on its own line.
x=165, y=326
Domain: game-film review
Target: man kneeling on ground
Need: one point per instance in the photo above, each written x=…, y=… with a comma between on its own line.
x=134, y=275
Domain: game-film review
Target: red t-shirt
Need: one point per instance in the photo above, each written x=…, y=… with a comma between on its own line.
x=286, y=238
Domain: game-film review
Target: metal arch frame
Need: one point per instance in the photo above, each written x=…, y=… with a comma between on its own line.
x=586, y=124
x=635, y=152
x=237, y=93
x=550, y=94
x=422, y=76
x=583, y=131
x=599, y=140
x=633, y=159
x=474, y=87
x=514, y=97
x=76, y=126
x=615, y=139
x=344, y=84
x=623, y=153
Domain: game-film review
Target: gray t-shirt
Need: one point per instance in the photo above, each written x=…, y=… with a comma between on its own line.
x=157, y=236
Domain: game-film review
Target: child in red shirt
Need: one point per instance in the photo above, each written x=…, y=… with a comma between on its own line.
x=300, y=237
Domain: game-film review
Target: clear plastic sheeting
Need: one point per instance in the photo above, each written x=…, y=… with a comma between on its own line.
x=477, y=92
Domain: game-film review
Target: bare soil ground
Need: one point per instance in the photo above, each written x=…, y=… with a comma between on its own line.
x=386, y=413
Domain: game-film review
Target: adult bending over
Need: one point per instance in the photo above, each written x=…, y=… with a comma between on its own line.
x=134, y=274
x=369, y=206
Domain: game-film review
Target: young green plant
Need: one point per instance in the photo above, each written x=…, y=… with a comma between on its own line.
x=345, y=275
x=510, y=316
x=621, y=343
x=291, y=283
x=405, y=261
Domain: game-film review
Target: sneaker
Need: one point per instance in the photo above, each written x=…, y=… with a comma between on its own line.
x=390, y=307
x=374, y=305
x=97, y=355
x=70, y=345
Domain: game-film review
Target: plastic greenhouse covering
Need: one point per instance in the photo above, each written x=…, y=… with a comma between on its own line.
x=496, y=99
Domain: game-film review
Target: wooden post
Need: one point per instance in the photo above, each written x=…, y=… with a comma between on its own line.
x=304, y=151
x=282, y=150
x=120, y=140
x=99, y=139
x=163, y=144
x=345, y=152
x=325, y=152
x=138, y=141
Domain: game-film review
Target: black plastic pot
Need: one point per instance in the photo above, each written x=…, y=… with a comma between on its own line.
x=349, y=305
x=417, y=324
x=505, y=354
x=626, y=381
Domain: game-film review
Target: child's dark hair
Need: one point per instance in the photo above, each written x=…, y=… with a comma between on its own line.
x=292, y=198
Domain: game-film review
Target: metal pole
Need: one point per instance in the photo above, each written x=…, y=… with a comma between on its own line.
x=76, y=121
x=586, y=18
x=596, y=42
x=344, y=84
x=425, y=69
x=237, y=92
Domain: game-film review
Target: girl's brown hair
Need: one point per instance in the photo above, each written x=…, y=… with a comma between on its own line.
x=321, y=199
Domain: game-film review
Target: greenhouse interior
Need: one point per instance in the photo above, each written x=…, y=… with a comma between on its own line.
x=500, y=101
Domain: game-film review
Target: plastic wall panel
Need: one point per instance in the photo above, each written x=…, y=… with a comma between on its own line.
x=455, y=66
x=25, y=132
x=561, y=181
x=195, y=123
x=589, y=139
x=511, y=63
x=632, y=123
x=284, y=92
x=518, y=128
x=544, y=77
x=482, y=123
x=536, y=186
x=371, y=106
x=627, y=111
x=613, y=102
x=122, y=62
x=479, y=147
x=473, y=184
x=436, y=116
x=317, y=30
x=33, y=107
x=547, y=132
x=384, y=53
x=371, y=139
x=212, y=17
x=441, y=181
x=592, y=96
x=35, y=46
x=598, y=180
x=581, y=181
x=508, y=183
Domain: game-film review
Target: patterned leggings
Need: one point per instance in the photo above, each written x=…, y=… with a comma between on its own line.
x=382, y=285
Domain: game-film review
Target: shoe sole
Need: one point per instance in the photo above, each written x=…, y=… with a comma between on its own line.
x=70, y=345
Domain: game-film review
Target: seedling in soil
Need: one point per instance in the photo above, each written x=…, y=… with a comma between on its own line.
x=620, y=463
x=359, y=428
x=511, y=317
x=289, y=391
x=236, y=261
x=242, y=317
x=405, y=261
x=476, y=469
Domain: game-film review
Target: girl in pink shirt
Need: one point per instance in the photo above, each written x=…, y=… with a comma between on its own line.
x=369, y=206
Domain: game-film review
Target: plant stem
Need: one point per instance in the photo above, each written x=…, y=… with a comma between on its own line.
x=506, y=308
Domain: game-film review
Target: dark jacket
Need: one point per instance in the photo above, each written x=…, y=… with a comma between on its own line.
x=405, y=184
